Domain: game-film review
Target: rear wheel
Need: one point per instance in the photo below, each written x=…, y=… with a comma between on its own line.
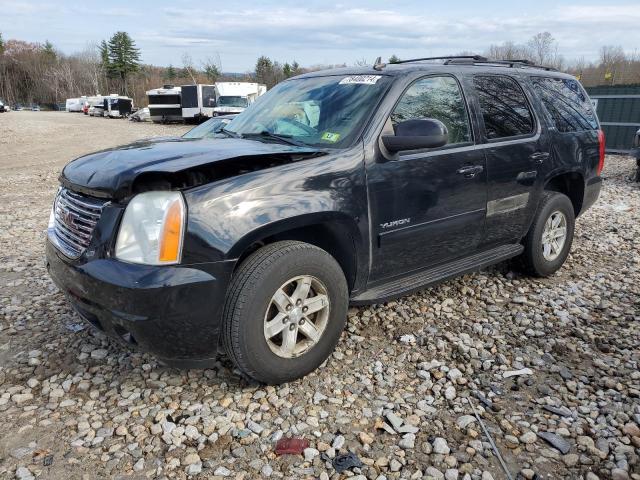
x=285, y=310
x=549, y=240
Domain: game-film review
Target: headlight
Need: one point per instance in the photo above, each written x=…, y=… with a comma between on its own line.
x=152, y=229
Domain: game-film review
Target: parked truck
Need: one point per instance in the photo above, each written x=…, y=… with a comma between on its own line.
x=234, y=97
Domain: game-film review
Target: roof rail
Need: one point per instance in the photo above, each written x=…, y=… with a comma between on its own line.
x=477, y=58
x=502, y=63
x=530, y=64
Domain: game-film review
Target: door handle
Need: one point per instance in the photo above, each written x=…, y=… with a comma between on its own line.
x=539, y=157
x=470, y=171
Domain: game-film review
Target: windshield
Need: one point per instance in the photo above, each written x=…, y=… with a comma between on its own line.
x=232, y=102
x=316, y=111
x=208, y=129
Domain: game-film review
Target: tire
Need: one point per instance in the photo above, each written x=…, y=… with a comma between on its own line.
x=535, y=260
x=251, y=305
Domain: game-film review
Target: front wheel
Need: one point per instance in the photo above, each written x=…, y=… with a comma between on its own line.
x=549, y=240
x=286, y=308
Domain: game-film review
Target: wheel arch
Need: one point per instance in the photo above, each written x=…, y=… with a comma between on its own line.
x=335, y=233
x=571, y=184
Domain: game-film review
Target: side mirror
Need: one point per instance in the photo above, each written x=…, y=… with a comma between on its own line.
x=416, y=134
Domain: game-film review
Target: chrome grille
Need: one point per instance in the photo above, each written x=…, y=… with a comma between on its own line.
x=74, y=218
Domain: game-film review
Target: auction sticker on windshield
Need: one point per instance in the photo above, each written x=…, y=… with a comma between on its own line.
x=330, y=137
x=360, y=80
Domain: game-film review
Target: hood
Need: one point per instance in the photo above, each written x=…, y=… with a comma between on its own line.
x=115, y=173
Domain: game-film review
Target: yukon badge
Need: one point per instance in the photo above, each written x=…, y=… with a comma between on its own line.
x=395, y=223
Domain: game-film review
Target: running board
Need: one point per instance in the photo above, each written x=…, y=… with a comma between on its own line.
x=416, y=281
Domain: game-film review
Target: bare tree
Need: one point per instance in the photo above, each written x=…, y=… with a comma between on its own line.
x=362, y=62
x=543, y=48
x=508, y=51
x=187, y=64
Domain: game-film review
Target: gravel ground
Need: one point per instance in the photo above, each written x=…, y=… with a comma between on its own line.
x=75, y=405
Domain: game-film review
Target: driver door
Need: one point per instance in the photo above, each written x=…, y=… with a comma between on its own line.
x=427, y=206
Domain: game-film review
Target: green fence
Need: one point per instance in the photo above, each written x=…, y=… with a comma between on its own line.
x=618, y=109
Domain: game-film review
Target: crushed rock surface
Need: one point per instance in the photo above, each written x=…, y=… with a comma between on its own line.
x=73, y=404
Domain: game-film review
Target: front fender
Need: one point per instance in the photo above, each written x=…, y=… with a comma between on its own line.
x=226, y=217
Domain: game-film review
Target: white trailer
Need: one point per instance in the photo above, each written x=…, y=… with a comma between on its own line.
x=198, y=102
x=116, y=106
x=234, y=97
x=165, y=104
x=74, y=104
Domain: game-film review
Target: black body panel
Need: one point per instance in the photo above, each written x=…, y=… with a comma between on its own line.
x=189, y=96
x=164, y=99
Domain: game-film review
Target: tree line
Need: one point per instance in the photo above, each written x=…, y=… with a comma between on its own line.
x=613, y=66
x=40, y=73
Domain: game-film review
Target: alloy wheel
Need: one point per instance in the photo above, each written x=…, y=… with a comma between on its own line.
x=296, y=316
x=554, y=235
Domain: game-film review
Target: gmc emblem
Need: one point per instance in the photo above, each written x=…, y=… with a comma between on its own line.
x=68, y=218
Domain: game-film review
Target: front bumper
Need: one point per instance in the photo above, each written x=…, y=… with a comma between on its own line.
x=173, y=312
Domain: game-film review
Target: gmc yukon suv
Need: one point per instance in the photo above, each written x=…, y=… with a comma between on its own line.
x=349, y=186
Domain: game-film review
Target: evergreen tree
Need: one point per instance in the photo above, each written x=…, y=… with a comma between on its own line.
x=48, y=49
x=295, y=68
x=264, y=71
x=1, y=44
x=394, y=58
x=103, y=50
x=171, y=73
x=212, y=72
x=287, y=70
x=124, y=57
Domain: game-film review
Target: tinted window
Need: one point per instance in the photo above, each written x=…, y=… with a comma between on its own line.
x=504, y=107
x=567, y=104
x=208, y=96
x=439, y=98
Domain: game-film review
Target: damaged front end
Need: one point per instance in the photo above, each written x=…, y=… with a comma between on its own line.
x=174, y=164
x=121, y=248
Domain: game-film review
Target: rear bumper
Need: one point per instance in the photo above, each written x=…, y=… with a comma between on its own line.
x=174, y=313
x=591, y=193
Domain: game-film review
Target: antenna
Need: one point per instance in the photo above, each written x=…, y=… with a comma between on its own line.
x=378, y=65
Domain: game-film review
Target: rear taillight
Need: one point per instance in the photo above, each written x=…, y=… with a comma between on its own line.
x=600, y=151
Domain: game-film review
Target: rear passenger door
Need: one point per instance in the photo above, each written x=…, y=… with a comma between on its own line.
x=516, y=150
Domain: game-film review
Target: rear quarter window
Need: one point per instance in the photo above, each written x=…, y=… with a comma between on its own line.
x=504, y=106
x=567, y=104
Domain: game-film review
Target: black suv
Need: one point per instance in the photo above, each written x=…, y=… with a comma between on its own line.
x=355, y=185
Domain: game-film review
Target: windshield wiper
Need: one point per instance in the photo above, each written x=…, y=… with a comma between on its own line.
x=281, y=137
x=229, y=133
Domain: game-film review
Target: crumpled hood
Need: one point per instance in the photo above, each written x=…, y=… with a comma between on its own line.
x=112, y=173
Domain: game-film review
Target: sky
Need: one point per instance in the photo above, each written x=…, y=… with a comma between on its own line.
x=320, y=32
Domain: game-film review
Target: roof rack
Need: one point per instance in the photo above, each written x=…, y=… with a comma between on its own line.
x=480, y=60
x=517, y=63
x=477, y=58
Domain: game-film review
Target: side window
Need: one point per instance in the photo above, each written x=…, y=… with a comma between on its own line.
x=567, y=104
x=208, y=96
x=439, y=98
x=504, y=107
